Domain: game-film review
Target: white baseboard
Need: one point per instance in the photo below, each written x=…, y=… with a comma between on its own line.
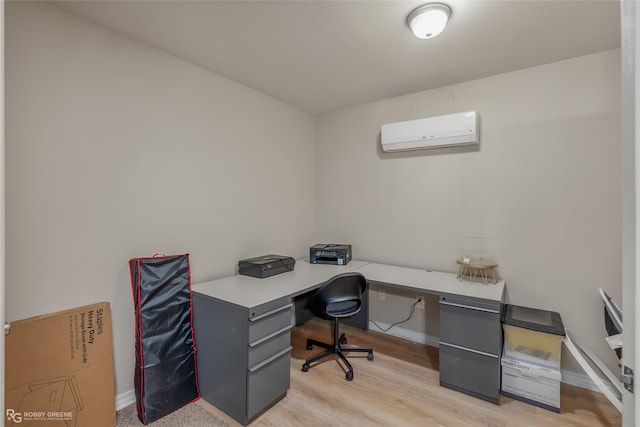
x=125, y=399
x=568, y=377
x=579, y=380
x=406, y=334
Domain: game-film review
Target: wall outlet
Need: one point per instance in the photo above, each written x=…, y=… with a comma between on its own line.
x=420, y=303
x=381, y=295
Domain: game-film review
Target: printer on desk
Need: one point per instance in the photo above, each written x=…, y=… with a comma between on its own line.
x=337, y=254
x=266, y=265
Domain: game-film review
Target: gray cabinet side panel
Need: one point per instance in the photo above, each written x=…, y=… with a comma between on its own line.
x=221, y=339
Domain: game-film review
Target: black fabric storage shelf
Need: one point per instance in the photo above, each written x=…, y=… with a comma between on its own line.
x=165, y=376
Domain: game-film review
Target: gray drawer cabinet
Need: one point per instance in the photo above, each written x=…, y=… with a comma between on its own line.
x=243, y=355
x=470, y=346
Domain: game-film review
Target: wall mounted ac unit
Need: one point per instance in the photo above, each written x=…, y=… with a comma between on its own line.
x=441, y=131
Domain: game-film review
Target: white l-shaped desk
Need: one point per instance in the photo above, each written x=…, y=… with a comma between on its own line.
x=242, y=331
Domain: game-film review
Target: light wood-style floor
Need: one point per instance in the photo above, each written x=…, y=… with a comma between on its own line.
x=400, y=388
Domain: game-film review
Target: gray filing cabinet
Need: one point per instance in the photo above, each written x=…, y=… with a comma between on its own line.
x=470, y=346
x=243, y=354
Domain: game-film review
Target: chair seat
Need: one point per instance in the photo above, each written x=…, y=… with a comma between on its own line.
x=343, y=308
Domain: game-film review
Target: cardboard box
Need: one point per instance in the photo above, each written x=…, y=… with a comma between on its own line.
x=59, y=369
x=531, y=383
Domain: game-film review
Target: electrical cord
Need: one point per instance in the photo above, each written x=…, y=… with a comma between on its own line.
x=413, y=309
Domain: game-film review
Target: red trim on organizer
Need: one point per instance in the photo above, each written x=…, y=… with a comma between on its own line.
x=140, y=345
x=138, y=326
x=160, y=256
x=136, y=321
x=193, y=337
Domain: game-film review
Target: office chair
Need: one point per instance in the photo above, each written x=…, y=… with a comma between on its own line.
x=340, y=297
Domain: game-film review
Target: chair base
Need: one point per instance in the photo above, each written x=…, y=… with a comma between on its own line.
x=335, y=348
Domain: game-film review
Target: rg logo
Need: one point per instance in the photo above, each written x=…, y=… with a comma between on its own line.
x=14, y=416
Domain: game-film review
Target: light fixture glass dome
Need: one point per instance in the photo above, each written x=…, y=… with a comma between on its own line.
x=429, y=20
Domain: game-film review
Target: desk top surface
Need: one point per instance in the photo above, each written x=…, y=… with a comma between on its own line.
x=433, y=282
x=251, y=292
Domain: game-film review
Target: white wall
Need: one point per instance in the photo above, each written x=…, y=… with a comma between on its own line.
x=115, y=150
x=545, y=185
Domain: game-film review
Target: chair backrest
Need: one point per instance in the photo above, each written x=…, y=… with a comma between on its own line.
x=341, y=296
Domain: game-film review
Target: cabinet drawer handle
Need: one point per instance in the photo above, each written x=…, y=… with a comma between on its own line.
x=268, y=337
x=459, y=347
x=470, y=307
x=270, y=312
x=270, y=359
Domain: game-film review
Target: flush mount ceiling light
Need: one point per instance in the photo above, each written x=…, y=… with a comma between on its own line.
x=428, y=20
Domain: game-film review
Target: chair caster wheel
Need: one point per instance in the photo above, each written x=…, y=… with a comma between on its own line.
x=370, y=356
x=350, y=376
x=305, y=367
x=309, y=346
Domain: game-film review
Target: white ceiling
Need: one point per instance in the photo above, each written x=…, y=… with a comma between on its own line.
x=325, y=55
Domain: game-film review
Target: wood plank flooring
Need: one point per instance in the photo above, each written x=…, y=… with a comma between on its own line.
x=400, y=387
